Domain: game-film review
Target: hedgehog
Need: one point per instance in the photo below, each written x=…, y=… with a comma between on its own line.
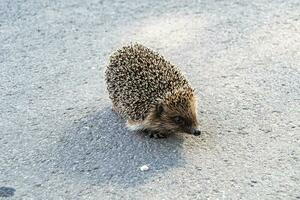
x=150, y=93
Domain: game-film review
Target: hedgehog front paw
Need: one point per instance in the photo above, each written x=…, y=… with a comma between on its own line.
x=157, y=135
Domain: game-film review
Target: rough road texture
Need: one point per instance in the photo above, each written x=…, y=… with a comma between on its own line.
x=60, y=140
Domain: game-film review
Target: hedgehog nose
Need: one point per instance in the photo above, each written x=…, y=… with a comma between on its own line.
x=196, y=132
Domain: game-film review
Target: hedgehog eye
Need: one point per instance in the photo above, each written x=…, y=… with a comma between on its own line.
x=178, y=120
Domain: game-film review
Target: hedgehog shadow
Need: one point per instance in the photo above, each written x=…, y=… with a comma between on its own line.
x=100, y=150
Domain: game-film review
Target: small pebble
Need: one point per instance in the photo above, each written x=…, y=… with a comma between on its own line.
x=144, y=168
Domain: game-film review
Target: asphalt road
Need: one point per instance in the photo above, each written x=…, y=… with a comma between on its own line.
x=60, y=140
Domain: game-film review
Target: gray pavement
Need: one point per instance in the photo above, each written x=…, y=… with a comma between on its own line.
x=60, y=140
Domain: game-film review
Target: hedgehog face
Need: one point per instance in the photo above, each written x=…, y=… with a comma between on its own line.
x=175, y=114
x=178, y=119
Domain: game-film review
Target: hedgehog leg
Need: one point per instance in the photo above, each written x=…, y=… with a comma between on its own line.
x=157, y=135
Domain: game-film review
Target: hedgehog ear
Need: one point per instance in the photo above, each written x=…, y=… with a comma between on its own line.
x=159, y=110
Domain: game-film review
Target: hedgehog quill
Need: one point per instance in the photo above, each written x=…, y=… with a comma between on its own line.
x=150, y=93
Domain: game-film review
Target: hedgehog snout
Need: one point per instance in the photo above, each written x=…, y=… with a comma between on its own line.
x=196, y=132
